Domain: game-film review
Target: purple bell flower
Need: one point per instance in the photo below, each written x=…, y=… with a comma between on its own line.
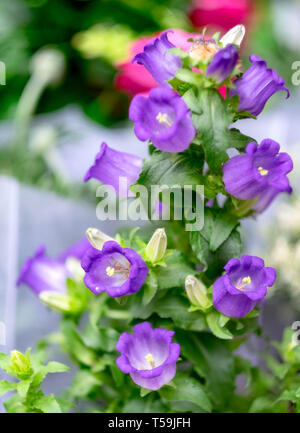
x=161, y=64
x=164, y=118
x=256, y=86
x=244, y=285
x=41, y=273
x=260, y=172
x=110, y=165
x=223, y=63
x=115, y=270
x=149, y=355
x=75, y=251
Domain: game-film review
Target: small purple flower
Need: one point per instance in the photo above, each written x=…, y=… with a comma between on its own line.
x=110, y=165
x=115, y=270
x=42, y=273
x=257, y=85
x=75, y=251
x=148, y=355
x=161, y=64
x=164, y=118
x=260, y=172
x=244, y=285
x=223, y=63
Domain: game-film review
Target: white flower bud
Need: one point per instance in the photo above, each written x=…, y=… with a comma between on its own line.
x=196, y=292
x=156, y=248
x=234, y=36
x=57, y=301
x=97, y=238
x=48, y=65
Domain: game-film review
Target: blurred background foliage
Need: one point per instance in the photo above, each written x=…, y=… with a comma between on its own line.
x=94, y=35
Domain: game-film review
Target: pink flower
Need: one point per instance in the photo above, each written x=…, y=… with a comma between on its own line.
x=134, y=78
x=223, y=14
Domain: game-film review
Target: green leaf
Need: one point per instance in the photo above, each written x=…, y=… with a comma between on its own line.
x=213, y=361
x=48, y=404
x=56, y=367
x=83, y=384
x=5, y=361
x=174, y=274
x=150, y=288
x=212, y=126
x=7, y=386
x=117, y=374
x=100, y=338
x=217, y=242
x=170, y=305
x=223, y=225
x=238, y=140
x=172, y=169
x=213, y=321
x=23, y=387
x=75, y=345
x=279, y=369
x=187, y=389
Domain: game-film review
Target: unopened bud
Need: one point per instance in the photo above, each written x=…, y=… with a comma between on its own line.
x=48, y=65
x=196, y=292
x=21, y=364
x=234, y=36
x=156, y=248
x=57, y=301
x=97, y=238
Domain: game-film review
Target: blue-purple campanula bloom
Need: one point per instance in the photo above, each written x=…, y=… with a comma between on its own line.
x=41, y=273
x=116, y=270
x=111, y=164
x=261, y=172
x=257, y=85
x=243, y=285
x=149, y=355
x=223, y=63
x=164, y=118
x=75, y=251
x=156, y=58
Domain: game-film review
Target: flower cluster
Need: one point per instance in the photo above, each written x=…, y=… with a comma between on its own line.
x=181, y=113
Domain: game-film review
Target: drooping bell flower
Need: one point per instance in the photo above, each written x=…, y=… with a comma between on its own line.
x=243, y=286
x=261, y=172
x=75, y=251
x=111, y=164
x=115, y=270
x=149, y=355
x=156, y=58
x=223, y=63
x=43, y=274
x=164, y=118
x=256, y=86
x=134, y=78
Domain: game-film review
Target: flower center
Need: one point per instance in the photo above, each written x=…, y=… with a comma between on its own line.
x=163, y=118
x=243, y=282
x=262, y=171
x=150, y=359
x=110, y=271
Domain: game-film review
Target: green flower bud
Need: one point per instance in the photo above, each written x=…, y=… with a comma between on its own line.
x=97, y=238
x=156, y=248
x=48, y=65
x=196, y=292
x=57, y=301
x=21, y=364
